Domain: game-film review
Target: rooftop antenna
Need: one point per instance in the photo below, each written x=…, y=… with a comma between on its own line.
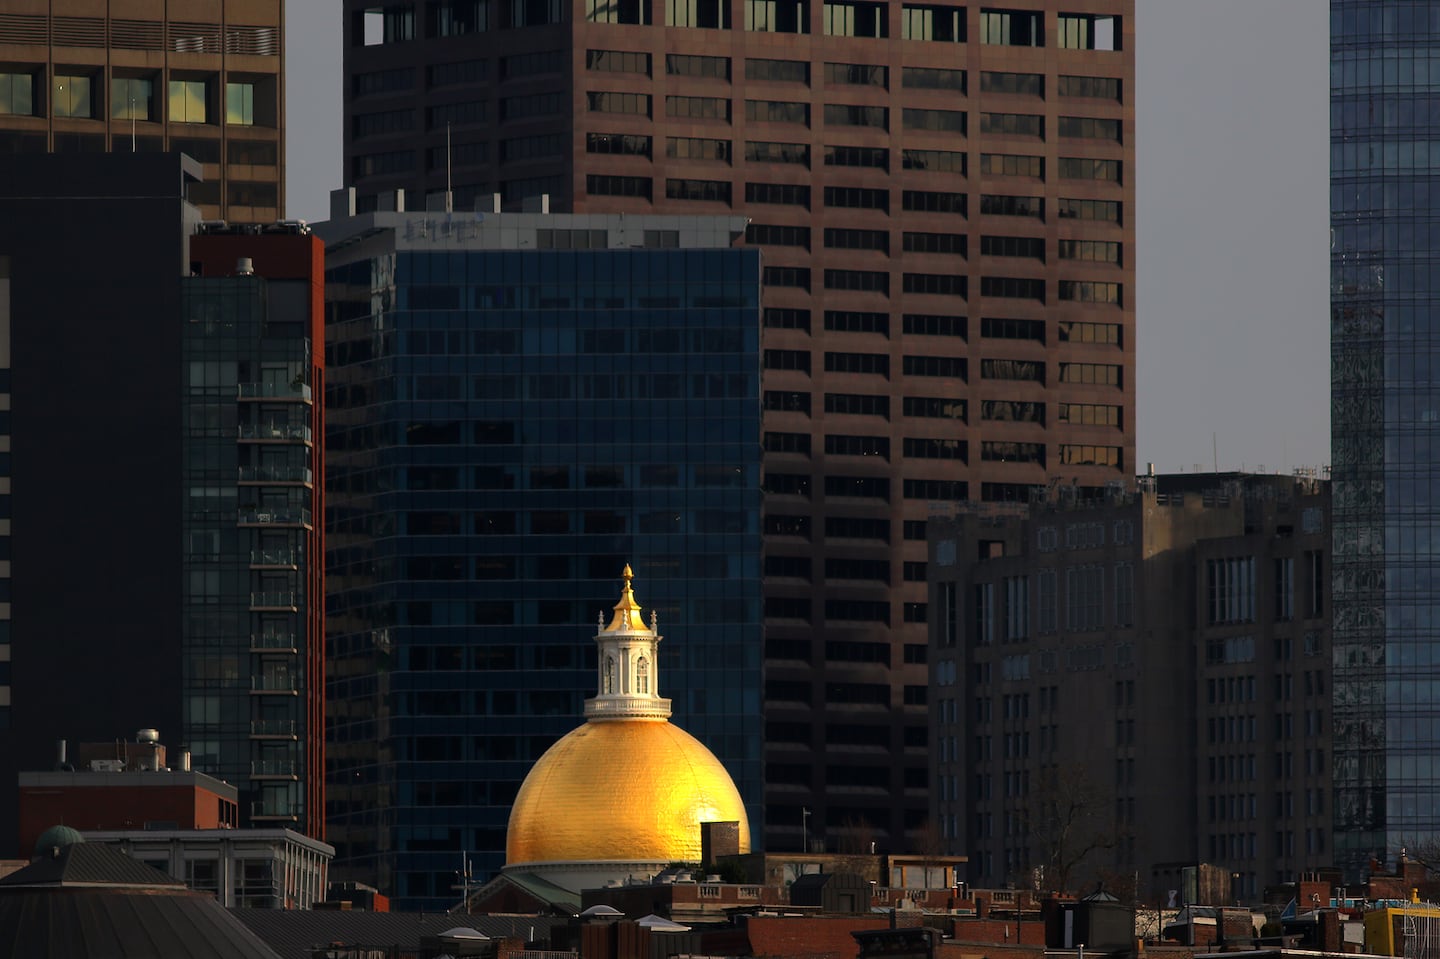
x=132, y=123
x=447, y=157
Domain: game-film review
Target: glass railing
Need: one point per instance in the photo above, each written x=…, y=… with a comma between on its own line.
x=275, y=431
x=272, y=641
x=273, y=767
x=272, y=599
x=276, y=474
x=261, y=809
x=276, y=391
x=274, y=557
x=272, y=727
x=273, y=683
x=275, y=516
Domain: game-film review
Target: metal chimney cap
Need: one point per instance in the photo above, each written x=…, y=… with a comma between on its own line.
x=244, y=266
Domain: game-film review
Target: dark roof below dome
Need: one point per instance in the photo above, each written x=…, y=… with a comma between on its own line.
x=293, y=933
x=89, y=864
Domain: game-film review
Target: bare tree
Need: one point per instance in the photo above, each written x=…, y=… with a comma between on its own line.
x=856, y=837
x=1068, y=818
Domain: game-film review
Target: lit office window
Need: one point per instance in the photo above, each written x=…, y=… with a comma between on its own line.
x=132, y=98
x=70, y=96
x=17, y=94
x=187, y=101
x=240, y=104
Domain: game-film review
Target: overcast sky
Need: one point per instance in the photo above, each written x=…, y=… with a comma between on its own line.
x=1232, y=261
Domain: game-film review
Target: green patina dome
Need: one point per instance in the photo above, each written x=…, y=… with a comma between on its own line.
x=57, y=837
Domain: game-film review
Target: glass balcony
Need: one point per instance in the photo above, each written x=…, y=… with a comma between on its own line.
x=262, y=809
x=275, y=432
x=273, y=729
x=273, y=769
x=277, y=474
x=273, y=683
x=278, y=600
x=299, y=392
x=266, y=642
x=274, y=516
x=287, y=558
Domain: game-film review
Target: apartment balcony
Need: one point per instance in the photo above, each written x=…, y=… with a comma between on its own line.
x=274, y=559
x=275, y=433
x=274, y=729
x=282, y=601
x=276, y=476
x=290, y=516
x=260, y=809
x=273, y=643
x=281, y=684
x=291, y=392
x=274, y=769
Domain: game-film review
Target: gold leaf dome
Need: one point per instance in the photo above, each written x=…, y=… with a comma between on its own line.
x=630, y=790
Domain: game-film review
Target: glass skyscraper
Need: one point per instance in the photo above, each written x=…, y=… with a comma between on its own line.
x=519, y=406
x=1385, y=345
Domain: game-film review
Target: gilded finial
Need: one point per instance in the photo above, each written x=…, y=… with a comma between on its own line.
x=627, y=611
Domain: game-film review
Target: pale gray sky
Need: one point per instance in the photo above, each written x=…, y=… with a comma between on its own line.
x=1233, y=338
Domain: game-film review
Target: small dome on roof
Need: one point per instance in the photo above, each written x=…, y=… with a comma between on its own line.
x=57, y=837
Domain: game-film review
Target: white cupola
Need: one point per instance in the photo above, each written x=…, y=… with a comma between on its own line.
x=629, y=669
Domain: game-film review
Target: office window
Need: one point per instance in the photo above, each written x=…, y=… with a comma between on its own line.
x=936, y=284
x=17, y=94
x=787, y=319
x=934, y=202
x=857, y=321
x=941, y=121
x=457, y=18
x=1020, y=84
x=1089, y=128
x=934, y=407
x=1025, y=371
x=717, y=68
x=854, y=115
x=597, y=185
x=775, y=442
x=536, y=13
x=1028, y=247
x=946, y=367
x=1096, y=88
x=391, y=24
x=793, y=276
x=777, y=111
x=71, y=96
x=1012, y=287
x=1011, y=28
x=617, y=61
x=778, y=71
x=1083, y=31
x=188, y=101
x=531, y=105
x=1081, y=168
x=699, y=14
x=1107, y=211
x=715, y=191
x=1089, y=414
x=877, y=158
x=787, y=401
x=952, y=243
x=857, y=198
x=857, y=404
x=935, y=449
x=1084, y=291
x=1100, y=374
x=1008, y=329
x=788, y=194
x=859, y=487
x=131, y=98
x=698, y=108
x=697, y=148
x=934, y=161
x=632, y=103
x=860, y=281
x=786, y=360
x=511, y=151
x=1072, y=455
x=1012, y=411
x=465, y=113
x=858, y=74
x=777, y=16
x=925, y=22
x=874, y=363
x=855, y=19
x=1090, y=251
x=845, y=239
x=1007, y=164
x=1013, y=124
x=931, y=324
x=846, y=445
x=621, y=11
x=460, y=72
x=625, y=144
x=996, y=205
x=760, y=151
x=767, y=234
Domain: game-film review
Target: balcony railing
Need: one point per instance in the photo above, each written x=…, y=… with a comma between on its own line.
x=275, y=432
x=283, y=728
x=274, y=600
x=273, y=683
x=273, y=641
x=260, y=809
x=300, y=392
x=277, y=474
x=273, y=767
x=274, y=557
x=274, y=516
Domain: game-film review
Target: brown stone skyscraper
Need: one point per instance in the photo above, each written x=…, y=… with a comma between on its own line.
x=945, y=198
x=203, y=77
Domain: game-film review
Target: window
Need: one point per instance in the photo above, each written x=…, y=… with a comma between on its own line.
x=17, y=94
x=857, y=404
x=951, y=243
x=928, y=448
x=1075, y=455
x=757, y=151
x=696, y=148
x=1085, y=291
x=513, y=150
x=1013, y=124
x=531, y=105
x=1080, y=168
x=932, y=78
x=787, y=360
x=787, y=443
x=786, y=484
x=930, y=324
x=935, y=490
x=1012, y=411
x=1007, y=329
x=1090, y=373
x=786, y=319
x=867, y=281
x=936, y=284
x=925, y=22
x=1012, y=287
x=1097, y=88
x=1083, y=31
x=998, y=451
x=876, y=363
x=994, y=205
x=466, y=113
x=782, y=193
x=373, y=124
x=597, y=185
x=131, y=98
x=777, y=16
x=1084, y=603
x=855, y=19
x=1072, y=331
x=941, y=121
x=1018, y=246
x=1089, y=128
x=1090, y=251
x=1009, y=164
x=698, y=108
x=632, y=103
x=618, y=143
x=777, y=111
x=846, y=445
x=701, y=14
x=934, y=202
x=718, y=191
x=854, y=321
x=778, y=71
x=770, y=235
x=1011, y=28
x=839, y=239
x=536, y=13
x=71, y=97
x=1031, y=371
x=1107, y=211
x=456, y=18
x=949, y=367
x=1023, y=84
x=188, y=101
x=849, y=527
x=859, y=487
x=857, y=198
x=935, y=161
x=617, y=61
x=877, y=158
x=853, y=115
x=1088, y=414
x=859, y=74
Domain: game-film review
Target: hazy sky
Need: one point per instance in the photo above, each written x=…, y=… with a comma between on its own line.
x=1233, y=339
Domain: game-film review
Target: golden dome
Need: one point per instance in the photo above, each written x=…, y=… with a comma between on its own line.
x=627, y=790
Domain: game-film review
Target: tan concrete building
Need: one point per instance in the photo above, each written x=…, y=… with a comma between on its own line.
x=944, y=195
x=1123, y=688
x=204, y=77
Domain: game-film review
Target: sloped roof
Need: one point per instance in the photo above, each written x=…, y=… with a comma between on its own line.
x=292, y=933
x=538, y=888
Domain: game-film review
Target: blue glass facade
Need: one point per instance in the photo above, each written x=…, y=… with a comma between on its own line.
x=506, y=430
x=1385, y=343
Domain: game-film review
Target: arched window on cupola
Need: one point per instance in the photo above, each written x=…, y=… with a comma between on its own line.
x=607, y=680
x=642, y=676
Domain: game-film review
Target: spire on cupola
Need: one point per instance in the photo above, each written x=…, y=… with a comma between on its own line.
x=629, y=671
